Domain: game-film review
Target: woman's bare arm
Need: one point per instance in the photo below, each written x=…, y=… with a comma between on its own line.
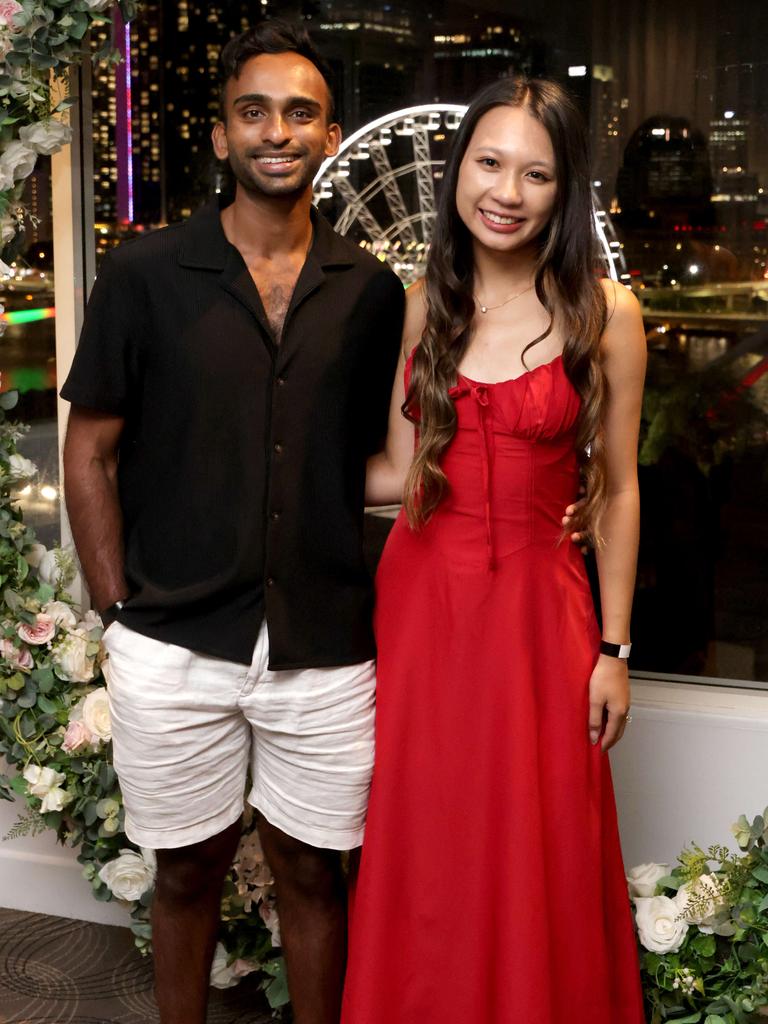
x=624, y=353
x=387, y=470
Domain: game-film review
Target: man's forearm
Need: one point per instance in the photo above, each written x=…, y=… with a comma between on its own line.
x=97, y=527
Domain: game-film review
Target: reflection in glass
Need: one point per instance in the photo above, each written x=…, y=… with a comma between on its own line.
x=28, y=355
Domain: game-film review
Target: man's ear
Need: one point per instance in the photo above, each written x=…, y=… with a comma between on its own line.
x=333, y=139
x=219, y=139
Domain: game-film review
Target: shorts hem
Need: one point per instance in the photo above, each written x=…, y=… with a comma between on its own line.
x=321, y=839
x=175, y=838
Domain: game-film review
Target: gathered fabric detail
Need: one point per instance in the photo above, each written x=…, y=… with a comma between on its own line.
x=481, y=395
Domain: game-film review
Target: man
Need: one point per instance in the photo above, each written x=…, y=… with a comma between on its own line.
x=232, y=376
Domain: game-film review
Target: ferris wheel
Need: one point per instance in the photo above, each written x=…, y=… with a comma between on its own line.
x=380, y=188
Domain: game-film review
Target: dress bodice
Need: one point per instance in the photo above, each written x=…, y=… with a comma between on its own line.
x=511, y=466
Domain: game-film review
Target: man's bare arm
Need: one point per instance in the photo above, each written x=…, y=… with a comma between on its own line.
x=90, y=490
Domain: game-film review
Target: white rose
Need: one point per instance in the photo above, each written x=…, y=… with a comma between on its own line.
x=642, y=879
x=45, y=783
x=91, y=620
x=659, y=924
x=713, y=916
x=21, y=468
x=71, y=660
x=130, y=875
x=96, y=714
x=61, y=613
x=35, y=554
x=46, y=137
x=17, y=161
x=50, y=570
x=224, y=975
x=8, y=230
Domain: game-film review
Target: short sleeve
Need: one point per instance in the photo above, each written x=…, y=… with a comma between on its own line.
x=103, y=373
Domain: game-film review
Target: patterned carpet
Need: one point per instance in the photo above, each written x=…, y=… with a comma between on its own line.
x=57, y=971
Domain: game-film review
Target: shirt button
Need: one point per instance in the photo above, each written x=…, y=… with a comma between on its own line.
x=274, y=516
x=278, y=448
x=270, y=582
x=281, y=382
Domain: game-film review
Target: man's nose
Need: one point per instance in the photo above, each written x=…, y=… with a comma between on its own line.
x=277, y=130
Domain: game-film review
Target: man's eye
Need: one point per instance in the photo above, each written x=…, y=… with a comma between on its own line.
x=251, y=113
x=301, y=114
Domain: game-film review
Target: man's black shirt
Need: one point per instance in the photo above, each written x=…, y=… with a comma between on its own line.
x=242, y=463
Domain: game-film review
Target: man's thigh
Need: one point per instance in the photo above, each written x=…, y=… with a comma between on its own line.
x=181, y=744
x=313, y=744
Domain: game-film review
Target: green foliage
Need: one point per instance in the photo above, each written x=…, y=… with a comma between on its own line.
x=719, y=975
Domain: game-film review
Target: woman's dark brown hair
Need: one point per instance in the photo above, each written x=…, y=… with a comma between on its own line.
x=565, y=280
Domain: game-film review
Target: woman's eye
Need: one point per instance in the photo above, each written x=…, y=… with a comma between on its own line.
x=488, y=161
x=538, y=176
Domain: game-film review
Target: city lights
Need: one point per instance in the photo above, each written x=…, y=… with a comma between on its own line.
x=577, y=71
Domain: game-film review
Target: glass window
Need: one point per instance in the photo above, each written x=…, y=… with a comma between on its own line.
x=676, y=101
x=28, y=353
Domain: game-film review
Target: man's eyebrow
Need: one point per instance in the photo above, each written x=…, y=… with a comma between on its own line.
x=292, y=101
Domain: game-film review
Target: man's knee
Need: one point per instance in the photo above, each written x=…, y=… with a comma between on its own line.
x=192, y=872
x=301, y=870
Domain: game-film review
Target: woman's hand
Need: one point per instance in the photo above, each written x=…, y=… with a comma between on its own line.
x=608, y=700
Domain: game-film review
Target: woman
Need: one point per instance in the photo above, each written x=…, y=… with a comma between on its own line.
x=491, y=886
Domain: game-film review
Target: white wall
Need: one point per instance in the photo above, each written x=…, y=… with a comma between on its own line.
x=38, y=874
x=693, y=759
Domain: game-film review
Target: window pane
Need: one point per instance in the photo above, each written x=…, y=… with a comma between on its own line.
x=676, y=101
x=28, y=355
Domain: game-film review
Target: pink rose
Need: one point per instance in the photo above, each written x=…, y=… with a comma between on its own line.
x=43, y=629
x=77, y=737
x=8, y=8
x=20, y=658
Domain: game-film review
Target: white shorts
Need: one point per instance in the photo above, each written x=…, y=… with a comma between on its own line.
x=187, y=728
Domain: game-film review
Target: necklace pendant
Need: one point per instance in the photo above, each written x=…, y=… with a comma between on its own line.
x=483, y=309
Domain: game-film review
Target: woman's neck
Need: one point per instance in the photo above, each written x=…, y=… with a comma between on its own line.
x=497, y=273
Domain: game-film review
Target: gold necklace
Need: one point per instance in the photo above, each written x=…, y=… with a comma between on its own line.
x=485, y=309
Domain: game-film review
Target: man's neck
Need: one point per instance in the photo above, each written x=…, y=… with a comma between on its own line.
x=267, y=227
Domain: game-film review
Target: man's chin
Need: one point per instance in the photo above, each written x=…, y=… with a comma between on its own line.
x=275, y=187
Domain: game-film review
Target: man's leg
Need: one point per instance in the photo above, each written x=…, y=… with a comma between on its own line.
x=185, y=920
x=312, y=906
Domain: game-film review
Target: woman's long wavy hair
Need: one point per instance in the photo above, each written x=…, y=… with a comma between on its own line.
x=566, y=281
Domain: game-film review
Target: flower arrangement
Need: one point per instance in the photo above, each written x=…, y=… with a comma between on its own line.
x=703, y=931
x=55, y=737
x=38, y=39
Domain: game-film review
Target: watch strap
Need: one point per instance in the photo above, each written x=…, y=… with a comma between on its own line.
x=615, y=650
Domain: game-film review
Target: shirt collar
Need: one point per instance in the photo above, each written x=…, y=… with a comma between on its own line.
x=206, y=247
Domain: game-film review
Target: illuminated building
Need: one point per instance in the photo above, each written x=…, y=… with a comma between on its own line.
x=129, y=179
x=470, y=51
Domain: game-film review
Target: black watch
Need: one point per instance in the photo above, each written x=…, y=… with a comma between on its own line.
x=615, y=650
x=110, y=614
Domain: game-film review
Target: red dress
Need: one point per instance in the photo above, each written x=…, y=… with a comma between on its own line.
x=491, y=887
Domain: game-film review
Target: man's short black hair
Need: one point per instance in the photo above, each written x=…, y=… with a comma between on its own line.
x=270, y=36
